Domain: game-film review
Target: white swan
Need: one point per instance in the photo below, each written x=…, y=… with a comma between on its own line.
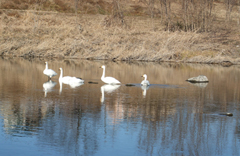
x=68, y=79
x=49, y=72
x=145, y=82
x=108, y=80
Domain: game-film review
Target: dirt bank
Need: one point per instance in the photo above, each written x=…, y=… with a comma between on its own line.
x=62, y=35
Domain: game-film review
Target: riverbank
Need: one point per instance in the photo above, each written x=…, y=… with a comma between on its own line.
x=61, y=35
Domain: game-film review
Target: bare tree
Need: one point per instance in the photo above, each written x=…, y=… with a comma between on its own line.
x=238, y=5
x=165, y=7
x=197, y=14
x=228, y=9
x=150, y=5
x=229, y=6
x=117, y=17
x=117, y=11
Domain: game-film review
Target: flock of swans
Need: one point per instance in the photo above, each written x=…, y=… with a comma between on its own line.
x=111, y=82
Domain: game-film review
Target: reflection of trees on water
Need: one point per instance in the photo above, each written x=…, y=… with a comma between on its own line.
x=77, y=135
x=71, y=128
x=22, y=119
x=162, y=124
x=168, y=121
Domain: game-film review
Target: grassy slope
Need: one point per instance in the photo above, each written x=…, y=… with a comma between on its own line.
x=57, y=34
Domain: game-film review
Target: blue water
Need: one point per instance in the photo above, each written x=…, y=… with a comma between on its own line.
x=170, y=117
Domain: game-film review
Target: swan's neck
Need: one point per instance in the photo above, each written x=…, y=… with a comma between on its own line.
x=61, y=74
x=46, y=66
x=145, y=78
x=103, y=74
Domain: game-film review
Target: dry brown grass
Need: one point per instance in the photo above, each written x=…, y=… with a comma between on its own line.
x=50, y=34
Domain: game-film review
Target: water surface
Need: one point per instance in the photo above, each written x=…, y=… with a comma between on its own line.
x=170, y=117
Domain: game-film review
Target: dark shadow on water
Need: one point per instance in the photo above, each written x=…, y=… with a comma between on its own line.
x=152, y=85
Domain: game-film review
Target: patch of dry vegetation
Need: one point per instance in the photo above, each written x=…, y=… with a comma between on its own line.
x=49, y=34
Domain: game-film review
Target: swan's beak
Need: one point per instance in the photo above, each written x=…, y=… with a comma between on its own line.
x=100, y=67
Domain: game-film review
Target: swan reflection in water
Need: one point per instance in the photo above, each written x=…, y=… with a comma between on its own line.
x=144, y=88
x=75, y=85
x=108, y=88
x=72, y=85
x=48, y=87
x=73, y=82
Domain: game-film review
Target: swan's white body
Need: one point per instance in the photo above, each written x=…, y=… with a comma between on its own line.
x=108, y=80
x=145, y=82
x=68, y=79
x=49, y=72
x=48, y=86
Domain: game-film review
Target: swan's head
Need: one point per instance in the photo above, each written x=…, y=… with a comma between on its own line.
x=103, y=66
x=45, y=62
x=60, y=69
x=144, y=75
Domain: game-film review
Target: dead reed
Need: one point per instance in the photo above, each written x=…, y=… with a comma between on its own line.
x=49, y=34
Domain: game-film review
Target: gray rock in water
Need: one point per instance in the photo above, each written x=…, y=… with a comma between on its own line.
x=199, y=79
